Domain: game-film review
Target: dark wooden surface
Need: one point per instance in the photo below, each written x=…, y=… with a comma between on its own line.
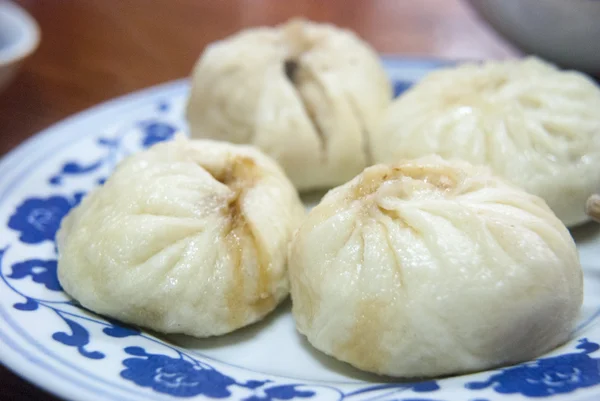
x=93, y=50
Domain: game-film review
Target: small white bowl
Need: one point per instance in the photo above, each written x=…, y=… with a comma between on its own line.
x=19, y=37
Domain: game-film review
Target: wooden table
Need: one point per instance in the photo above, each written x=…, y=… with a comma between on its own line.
x=94, y=50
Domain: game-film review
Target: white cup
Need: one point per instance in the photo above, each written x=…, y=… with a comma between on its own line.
x=19, y=37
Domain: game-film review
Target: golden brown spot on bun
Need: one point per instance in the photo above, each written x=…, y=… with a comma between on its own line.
x=410, y=177
x=362, y=348
x=244, y=247
x=241, y=173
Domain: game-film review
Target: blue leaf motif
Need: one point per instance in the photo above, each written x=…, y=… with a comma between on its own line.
x=163, y=106
x=108, y=142
x=401, y=87
x=41, y=271
x=77, y=197
x=252, y=384
x=547, y=376
x=119, y=331
x=38, y=219
x=156, y=131
x=78, y=338
x=174, y=376
x=587, y=346
x=137, y=351
x=29, y=305
x=71, y=168
x=74, y=168
x=424, y=387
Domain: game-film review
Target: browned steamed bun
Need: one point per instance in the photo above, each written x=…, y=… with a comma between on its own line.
x=531, y=123
x=307, y=94
x=431, y=267
x=186, y=237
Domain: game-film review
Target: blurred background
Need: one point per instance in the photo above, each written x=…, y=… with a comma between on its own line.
x=92, y=50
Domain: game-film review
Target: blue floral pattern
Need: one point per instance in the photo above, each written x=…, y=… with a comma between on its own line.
x=284, y=392
x=175, y=376
x=179, y=377
x=548, y=376
x=38, y=219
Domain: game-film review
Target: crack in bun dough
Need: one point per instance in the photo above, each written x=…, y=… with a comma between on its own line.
x=309, y=95
x=186, y=237
x=431, y=267
x=533, y=124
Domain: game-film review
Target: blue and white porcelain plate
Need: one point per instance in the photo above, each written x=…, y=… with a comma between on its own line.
x=52, y=341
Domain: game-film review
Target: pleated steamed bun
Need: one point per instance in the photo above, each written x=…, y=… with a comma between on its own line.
x=533, y=124
x=431, y=267
x=307, y=94
x=186, y=237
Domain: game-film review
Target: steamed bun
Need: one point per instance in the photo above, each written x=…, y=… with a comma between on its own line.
x=307, y=94
x=432, y=267
x=188, y=237
x=533, y=124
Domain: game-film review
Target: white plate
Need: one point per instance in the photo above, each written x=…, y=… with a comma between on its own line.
x=51, y=341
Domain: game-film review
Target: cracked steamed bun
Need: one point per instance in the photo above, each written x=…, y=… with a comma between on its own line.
x=533, y=124
x=432, y=267
x=307, y=94
x=186, y=237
